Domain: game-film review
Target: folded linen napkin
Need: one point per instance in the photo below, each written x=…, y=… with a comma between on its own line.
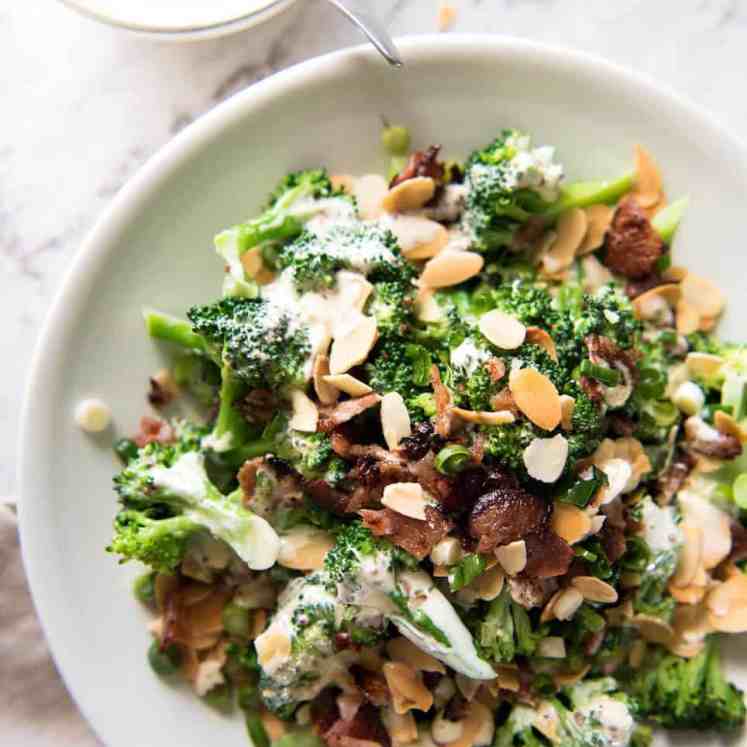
x=35, y=708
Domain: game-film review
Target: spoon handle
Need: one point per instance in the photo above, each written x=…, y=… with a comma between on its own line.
x=372, y=28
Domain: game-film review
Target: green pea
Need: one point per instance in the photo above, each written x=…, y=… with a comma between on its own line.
x=452, y=459
x=164, y=662
x=396, y=139
x=740, y=491
x=126, y=449
x=236, y=620
x=144, y=588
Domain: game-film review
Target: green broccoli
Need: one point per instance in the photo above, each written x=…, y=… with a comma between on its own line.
x=505, y=631
x=687, y=693
x=392, y=304
x=587, y=423
x=518, y=729
x=506, y=443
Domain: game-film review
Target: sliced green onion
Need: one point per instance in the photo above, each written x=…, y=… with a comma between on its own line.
x=466, y=571
x=652, y=383
x=740, y=491
x=583, y=194
x=582, y=491
x=452, y=459
x=604, y=374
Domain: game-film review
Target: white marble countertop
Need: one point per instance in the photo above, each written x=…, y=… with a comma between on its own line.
x=84, y=105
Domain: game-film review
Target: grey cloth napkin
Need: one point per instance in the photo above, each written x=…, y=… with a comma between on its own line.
x=35, y=708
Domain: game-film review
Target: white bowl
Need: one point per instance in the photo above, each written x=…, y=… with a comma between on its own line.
x=153, y=247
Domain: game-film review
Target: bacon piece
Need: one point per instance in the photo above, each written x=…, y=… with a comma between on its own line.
x=154, y=430
x=372, y=685
x=421, y=163
x=632, y=247
x=668, y=484
x=726, y=446
x=443, y=403
x=365, y=726
x=612, y=538
x=248, y=476
x=635, y=288
x=620, y=425
x=592, y=388
x=333, y=416
x=504, y=400
x=258, y=406
x=548, y=555
x=422, y=440
x=160, y=395
x=505, y=515
x=417, y=536
x=603, y=350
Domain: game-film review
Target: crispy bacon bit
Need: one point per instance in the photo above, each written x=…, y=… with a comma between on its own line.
x=365, y=725
x=248, y=476
x=153, y=430
x=422, y=440
x=457, y=708
x=726, y=446
x=547, y=555
x=635, y=288
x=496, y=370
x=372, y=685
x=668, y=484
x=529, y=235
x=345, y=448
x=612, y=538
x=527, y=592
x=159, y=395
x=336, y=415
x=620, y=425
x=592, y=388
x=443, y=404
x=632, y=247
x=258, y=406
x=324, y=711
x=738, y=542
x=471, y=483
x=421, y=163
x=504, y=400
x=505, y=515
x=416, y=536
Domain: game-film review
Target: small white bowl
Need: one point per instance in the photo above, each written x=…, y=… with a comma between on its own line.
x=153, y=247
x=182, y=20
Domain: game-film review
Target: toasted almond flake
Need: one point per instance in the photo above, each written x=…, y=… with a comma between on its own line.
x=648, y=188
x=272, y=644
x=508, y=678
x=403, y=650
x=502, y=330
x=654, y=629
x=326, y=393
x=551, y=647
x=447, y=552
x=703, y=295
x=595, y=274
x=410, y=194
x=395, y=420
x=484, y=417
x=687, y=594
x=727, y=605
x=440, y=571
x=714, y=523
x=688, y=319
x=370, y=191
x=686, y=650
x=595, y=590
x=353, y=348
x=251, y=261
x=305, y=415
x=345, y=182
x=478, y=726
x=618, y=473
x=489, y=584
x=540, y=337
x=407, y=688
x=570, y=523
x=348, y=384
x=274, y=727
x=598, y=218
x=548, y=611
x=674, y=274
x=467, y=686
x=649, y=304
x=546, y=721
x=406, y=498
x=565, y=679
x=418, y=237
x=637, y=654
x=545, y=458
x=691, y=556
x=567, y=406
x=570, y=232
x=401, y=727
x=512, y=557
x=536, y=396
x=704, y=365
x=304, y=548
x=567, y=604
x=426, y=306
x=725, y=423
x=451, y=268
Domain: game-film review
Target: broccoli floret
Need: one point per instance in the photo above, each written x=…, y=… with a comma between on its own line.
x=530, y=304
x=314, y=182
x=687, y=693
x=587, y=423
x=263, y=344
x=518, y=729
x=392, y=304
x=505, y=444
x=505, y=631
x=171, y=481
x=310, y=454
x=608, y=312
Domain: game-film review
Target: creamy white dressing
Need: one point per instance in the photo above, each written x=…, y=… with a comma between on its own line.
x=468, y=357
x=327, y=212
x=185, y=478
x=534, y=168
x=609, y=718
x=411, y=230
x=660, y=528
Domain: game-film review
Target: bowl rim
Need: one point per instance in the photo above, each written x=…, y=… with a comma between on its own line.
x=94, y=250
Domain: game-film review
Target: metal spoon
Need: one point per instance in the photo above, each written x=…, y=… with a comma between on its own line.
x=372, y=28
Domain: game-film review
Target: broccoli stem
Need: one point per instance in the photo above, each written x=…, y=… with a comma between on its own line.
x=583, y=194
x=231, y=431
x=172, y=329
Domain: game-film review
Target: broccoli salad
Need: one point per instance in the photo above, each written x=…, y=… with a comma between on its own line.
x=455, y=459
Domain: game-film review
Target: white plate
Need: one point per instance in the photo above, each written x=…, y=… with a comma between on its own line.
x=153, y=247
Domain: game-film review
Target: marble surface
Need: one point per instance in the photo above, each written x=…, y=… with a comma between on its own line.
x=85, y=105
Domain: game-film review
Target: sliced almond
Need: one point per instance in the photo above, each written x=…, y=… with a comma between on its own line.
x=618, y=473
x=326, y=393
x=401, y=649
x=548, y=611
x=545, y=458
x=418, y=237
x=503, y=330
x=489, y=584
x=402, y=728
x=547, y=721
x=512, y=557
x=726, y=423
x=251, y=261
x=567, y=406
x=688, y=319
x=686, y=650
x=704, y=365
x=508, y=677
x=305, y=415
x=687, y=594
x=395, y=420
x=595, y=274
x=410, y=194
x=570, y=523
x=353, y=348
x=727, y=605
x=304, y=548
x=595, y=590
x=570, y=232
x=691, y=556
x=447, y=551
x=551, y=647
x=451, y=268
x=273, y=644
x=567, y=604
x=654, y=629
x=598, y=218
x=541, y=338
x=649, y=304
x=426, y=306
x=370, y=191
x=703, y=295
x=484, y=417
x=406, y=498
x=648, y=187
x=348, y=384
x=406, y=687
x=714, y=523
x=674, y=274
x=536, y=396
x=344, y=182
